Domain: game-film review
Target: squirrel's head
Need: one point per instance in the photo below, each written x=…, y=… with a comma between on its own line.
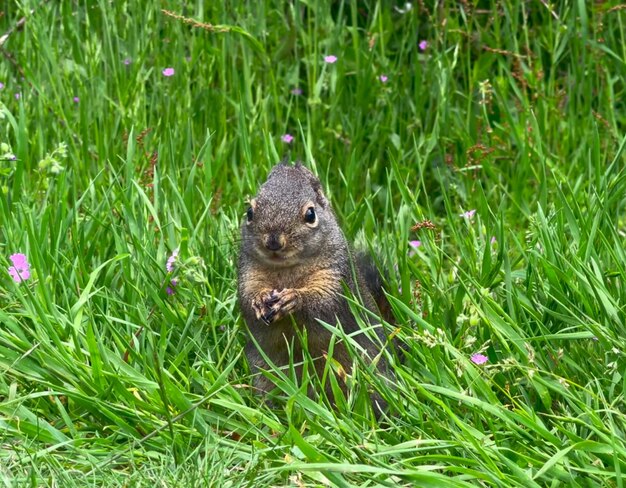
x=290, y=220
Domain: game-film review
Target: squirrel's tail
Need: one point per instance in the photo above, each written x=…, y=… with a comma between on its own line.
x=374, y=282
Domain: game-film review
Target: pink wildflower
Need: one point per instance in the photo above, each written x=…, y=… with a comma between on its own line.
x=20, y=271
x=383, y=78
x=287, y=138
x=423, y=45
x=414, y=245
x=168, y=72
x=469, y=214
x=479, y=358
x=330, y=59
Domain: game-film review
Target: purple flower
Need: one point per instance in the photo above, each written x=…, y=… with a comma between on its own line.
x=383, y=78
x=330, y=59
x=1, y=85
x=423, y=45
x=171, y=261
x=170, y=289
x=469, y=214
x=20, y=271
x=168, y=72
x=287, y=138
x=296, y=91
x=76, y=99
x=479, y=358
x=127, y=61
x=18, y=96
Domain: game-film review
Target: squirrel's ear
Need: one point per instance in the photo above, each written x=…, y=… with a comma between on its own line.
x=315, y=183
x=319, y=193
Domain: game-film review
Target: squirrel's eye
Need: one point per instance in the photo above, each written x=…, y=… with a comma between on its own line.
x=250, y=214
x=309, y=215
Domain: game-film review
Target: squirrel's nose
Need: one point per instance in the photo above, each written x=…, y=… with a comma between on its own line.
x=274, y=242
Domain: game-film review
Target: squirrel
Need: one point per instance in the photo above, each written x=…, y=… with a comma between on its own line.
x=294, y=263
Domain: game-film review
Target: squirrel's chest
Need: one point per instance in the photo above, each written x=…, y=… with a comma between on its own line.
x=321, y=280
x=285, y=279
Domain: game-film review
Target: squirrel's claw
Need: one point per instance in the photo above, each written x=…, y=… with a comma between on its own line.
x=268, y=317
x=270, y=299
x=261, y=310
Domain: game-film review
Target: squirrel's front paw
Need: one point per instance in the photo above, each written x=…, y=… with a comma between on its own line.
x=283, y=303
x=262, y=305
x=274, y=305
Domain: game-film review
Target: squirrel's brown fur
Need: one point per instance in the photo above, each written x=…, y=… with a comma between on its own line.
x=293, y=266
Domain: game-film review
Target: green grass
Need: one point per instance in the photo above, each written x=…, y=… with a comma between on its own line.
x=516, y=112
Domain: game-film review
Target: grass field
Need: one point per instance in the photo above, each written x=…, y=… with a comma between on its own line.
x=491, y=132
